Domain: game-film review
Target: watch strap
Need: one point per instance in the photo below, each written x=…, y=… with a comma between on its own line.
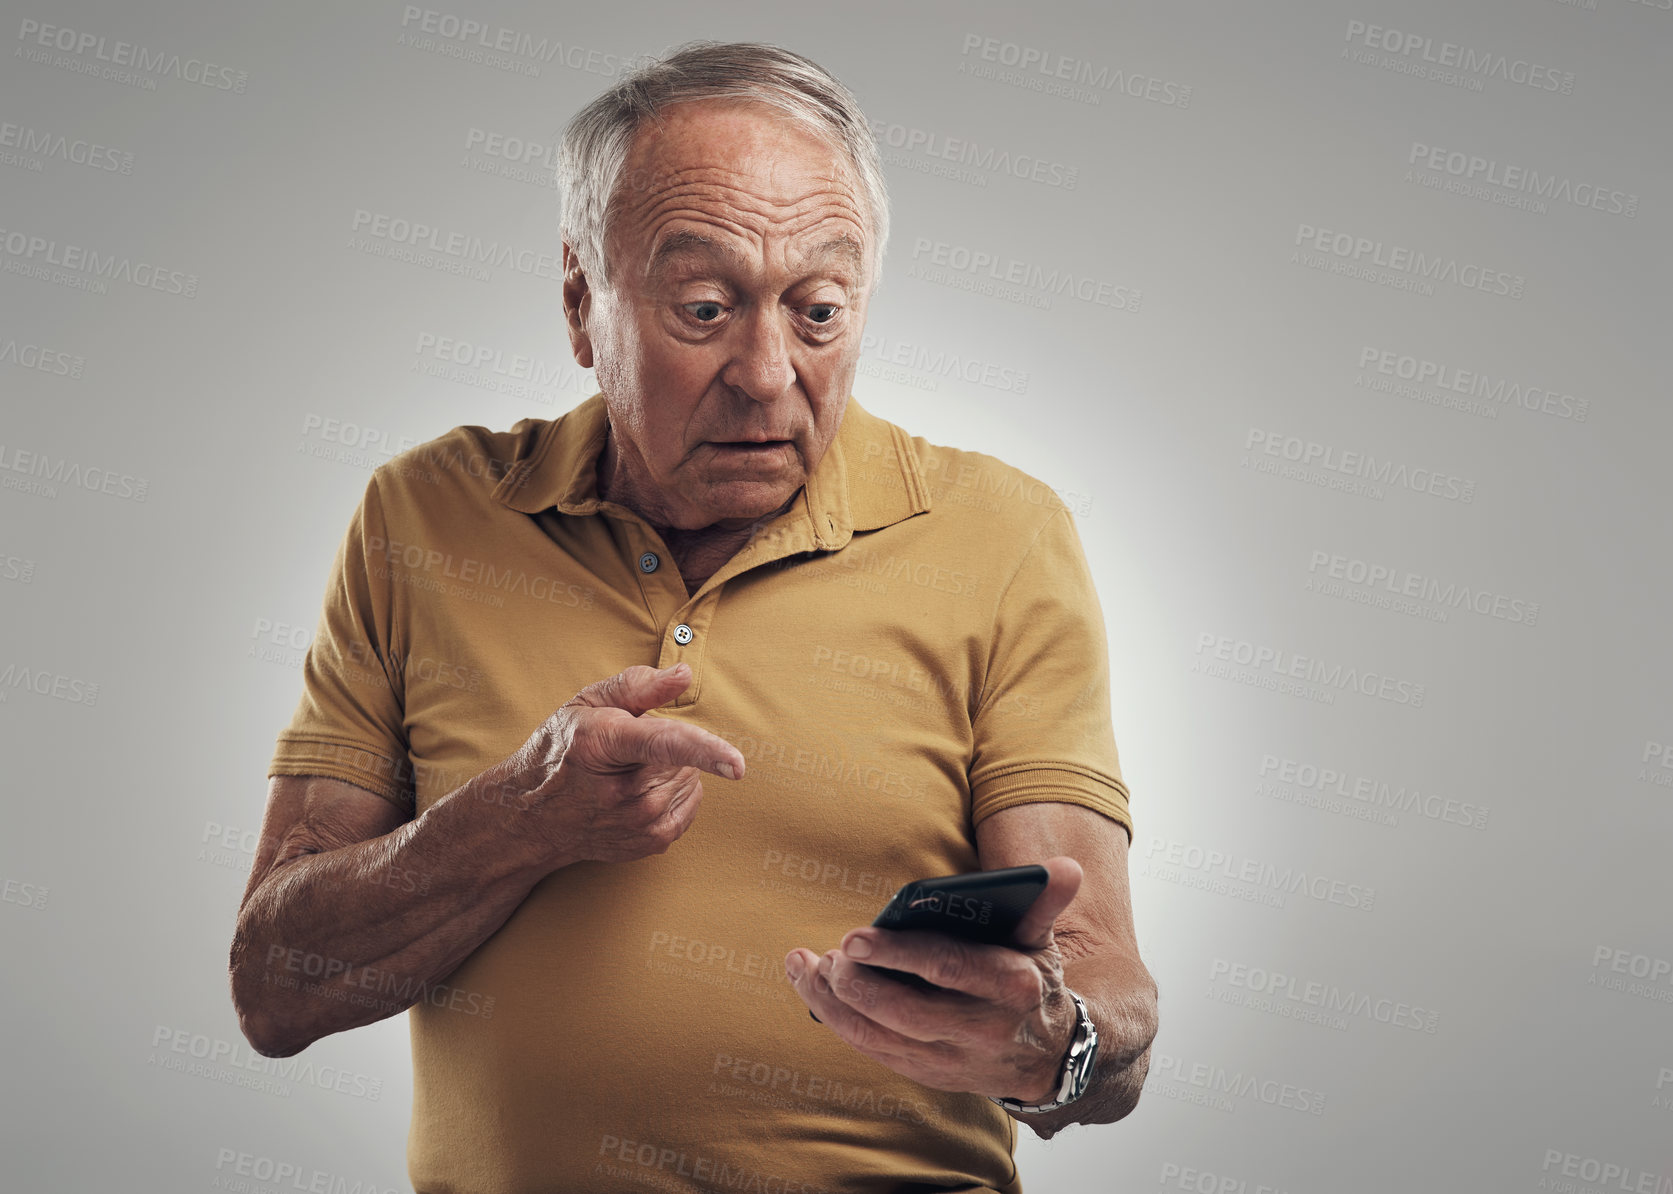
x=1083, y=1047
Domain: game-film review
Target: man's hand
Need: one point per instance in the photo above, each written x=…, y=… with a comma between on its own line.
x=602, y=782
x=1001, y=1028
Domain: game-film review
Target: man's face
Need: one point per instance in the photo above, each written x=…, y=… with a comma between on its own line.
x=727, y=340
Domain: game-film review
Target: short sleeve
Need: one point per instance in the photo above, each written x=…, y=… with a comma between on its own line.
x=1042, y=725
x=349, y=724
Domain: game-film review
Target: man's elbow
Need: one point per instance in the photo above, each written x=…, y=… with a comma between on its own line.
x=1143, y=1020
x=266, y=1041
x=1126, y=1098
x=266, y=1034
x=257, y=1020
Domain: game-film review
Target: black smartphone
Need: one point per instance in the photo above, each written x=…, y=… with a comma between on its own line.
x=982, y=906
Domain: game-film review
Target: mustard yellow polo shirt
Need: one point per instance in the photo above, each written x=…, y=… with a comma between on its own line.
x=914, y=645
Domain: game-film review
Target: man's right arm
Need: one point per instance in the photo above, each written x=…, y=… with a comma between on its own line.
x=331, y=894
x=348, y=900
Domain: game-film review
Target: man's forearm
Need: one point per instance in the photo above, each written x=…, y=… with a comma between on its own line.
x=1120, y=996
x=333, y=940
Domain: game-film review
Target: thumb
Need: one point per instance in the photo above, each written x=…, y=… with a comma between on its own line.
x=636, y=689
x=1063, y=881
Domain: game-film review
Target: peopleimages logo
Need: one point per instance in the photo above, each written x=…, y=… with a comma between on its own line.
x=37, y=38
x=941, y=363
x=47, y=472
x=467, y=38
x=487, y=367
x=41, y=358
x=1596, y=1171
x=963, y=151
x=1038, y=69
x=214, y=1051
x=39, y=142
x=1657, y=763
x=1384, y=580
x=1165, y=857
x=520, y=159
x=983, y=271
x=1201, y=1181
x=1239, y=1084
x=1362, y=253
x=1354, y=467
x=1473, y=168
x=1469, y=60
x=1471, y=383
x=521, y=150
x=1310, y=669
x=29, y=255
x=1274, y=987
x=414, y=234
x=647, y=1163
x=1374, y=795
x=1651, y=977
x=791, y=1089
x=247, y=1168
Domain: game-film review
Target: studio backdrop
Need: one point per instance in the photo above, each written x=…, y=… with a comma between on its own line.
x=1341, y=329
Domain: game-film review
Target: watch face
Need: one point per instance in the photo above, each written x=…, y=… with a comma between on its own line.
x=1081, y=1069
x=1078, y=1073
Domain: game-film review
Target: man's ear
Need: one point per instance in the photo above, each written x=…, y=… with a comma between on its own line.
x=577, y=307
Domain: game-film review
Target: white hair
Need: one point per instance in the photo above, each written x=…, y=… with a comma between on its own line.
x=597, y=140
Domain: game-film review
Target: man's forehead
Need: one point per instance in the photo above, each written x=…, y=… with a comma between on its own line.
x=710, y=182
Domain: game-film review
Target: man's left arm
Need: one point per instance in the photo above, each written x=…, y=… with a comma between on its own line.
x=1002, y=1020
x=1096, y=941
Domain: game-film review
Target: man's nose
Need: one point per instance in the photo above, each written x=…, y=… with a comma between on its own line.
x=760, y=365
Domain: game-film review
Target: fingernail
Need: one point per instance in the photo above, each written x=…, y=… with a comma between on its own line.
x=793, y=966
x=726, y=770
x=857, y=947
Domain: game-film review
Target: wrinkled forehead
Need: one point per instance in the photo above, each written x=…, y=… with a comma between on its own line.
x=744, y=169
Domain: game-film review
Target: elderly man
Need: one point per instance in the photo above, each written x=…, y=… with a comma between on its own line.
x=890, y=653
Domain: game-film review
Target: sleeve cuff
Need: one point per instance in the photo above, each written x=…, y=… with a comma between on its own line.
x=352, y=763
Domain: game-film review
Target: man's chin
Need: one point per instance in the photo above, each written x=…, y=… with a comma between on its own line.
x=734, y=504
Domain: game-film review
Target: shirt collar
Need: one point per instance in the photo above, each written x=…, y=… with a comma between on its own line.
x=868, y=478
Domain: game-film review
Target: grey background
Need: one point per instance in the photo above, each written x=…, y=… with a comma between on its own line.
x=190, y=609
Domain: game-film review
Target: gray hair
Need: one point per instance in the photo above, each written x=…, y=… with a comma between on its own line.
x=597, y=140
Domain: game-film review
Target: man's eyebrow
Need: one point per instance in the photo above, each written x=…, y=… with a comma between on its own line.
x=686, y=242
x=683, y=243
x=842, y=244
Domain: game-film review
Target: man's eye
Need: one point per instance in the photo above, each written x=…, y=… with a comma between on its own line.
x=705, y=312
x=823, y=312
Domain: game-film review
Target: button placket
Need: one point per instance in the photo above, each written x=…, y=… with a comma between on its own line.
x=666, y=600
x=685, y=626
x=648, y=564
x=685, y=638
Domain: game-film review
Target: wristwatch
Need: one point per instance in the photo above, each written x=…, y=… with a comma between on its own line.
x=1077, y=1066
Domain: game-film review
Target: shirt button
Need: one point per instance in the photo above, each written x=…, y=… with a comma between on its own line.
x=682, y=634
x=648, y=562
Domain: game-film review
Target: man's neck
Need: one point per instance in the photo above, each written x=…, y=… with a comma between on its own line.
x=699, y=551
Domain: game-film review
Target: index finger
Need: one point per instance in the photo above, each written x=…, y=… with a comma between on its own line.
x=970, y=968
x=633, y=741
